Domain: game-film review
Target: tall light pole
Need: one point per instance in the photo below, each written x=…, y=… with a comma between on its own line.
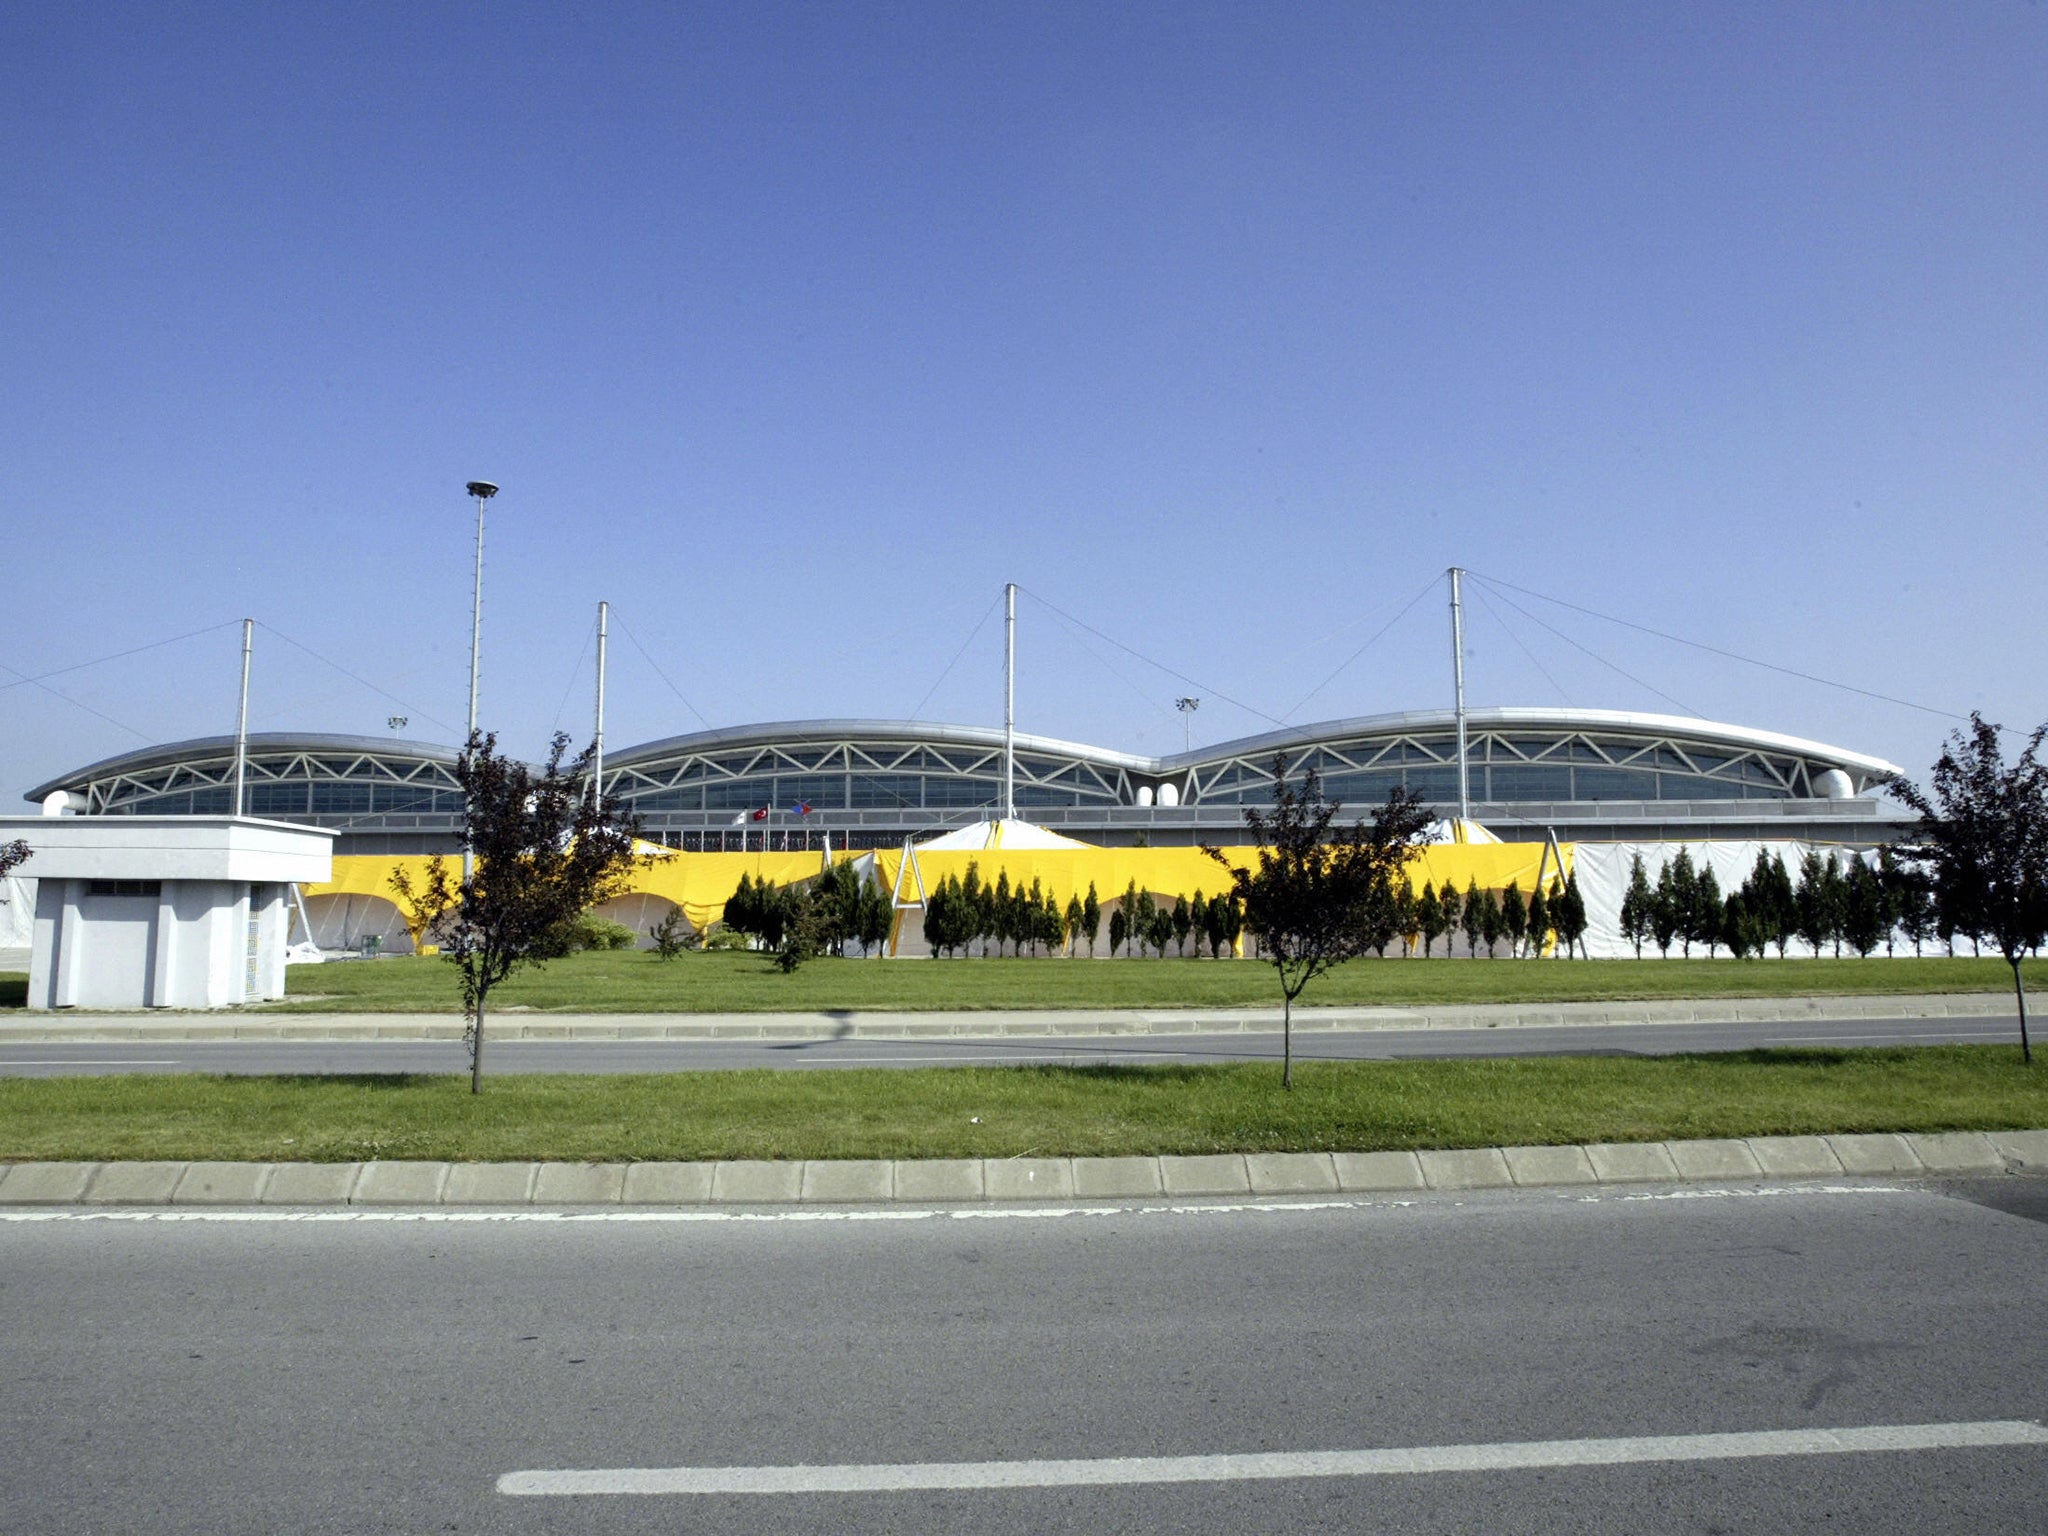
x=597, y=773
x=242, y=719
x=1187, y=708
x=1458, y=685
x=483, y=491
x=1010, y=701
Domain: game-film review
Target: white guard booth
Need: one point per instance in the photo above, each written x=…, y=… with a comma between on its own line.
x=163, y=911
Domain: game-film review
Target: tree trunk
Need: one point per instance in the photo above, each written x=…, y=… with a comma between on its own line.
x=476, y=1051
x=2020, y=992
x=1287, y=1039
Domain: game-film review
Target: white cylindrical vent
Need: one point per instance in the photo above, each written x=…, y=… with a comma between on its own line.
x=1833, y=784
x=1169, y=794
x=1144, y=794
x=63, y=802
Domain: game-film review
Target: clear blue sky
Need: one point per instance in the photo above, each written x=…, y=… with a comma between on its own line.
x=795, y=331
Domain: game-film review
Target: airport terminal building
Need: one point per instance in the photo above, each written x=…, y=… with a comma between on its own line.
x=1583, y=775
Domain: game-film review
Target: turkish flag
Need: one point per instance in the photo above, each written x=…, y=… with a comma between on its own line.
x=761, y=814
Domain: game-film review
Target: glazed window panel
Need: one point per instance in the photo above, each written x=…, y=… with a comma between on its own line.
x=887, y=791
x=417, y=798
x=277, y=799
x=1613, y=784
x=1434, y=784
x=691, y=799
x=951, y=793
x=731, y=765
x=341, y=799
x=820, y=791
x=1045, y=794
x=1532, y=781
x=1236, y=776
x=1689, y=786
x=1361, y=790
x=736, y=795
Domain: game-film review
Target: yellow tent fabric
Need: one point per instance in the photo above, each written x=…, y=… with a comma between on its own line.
x=700, y=883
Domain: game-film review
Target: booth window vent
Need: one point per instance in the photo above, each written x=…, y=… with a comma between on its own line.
x=151, y=888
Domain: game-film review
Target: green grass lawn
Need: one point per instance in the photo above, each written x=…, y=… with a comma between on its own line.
x=634, y=981
x=1023, y=1111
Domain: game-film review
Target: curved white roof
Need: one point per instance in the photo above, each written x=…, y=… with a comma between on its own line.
x=1533, y=720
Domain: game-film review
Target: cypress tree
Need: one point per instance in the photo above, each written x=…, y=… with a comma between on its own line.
x=1684, y=895
x=1571, y=920
x=1706, y=911
x=1492, y=924
x=1864, y=921
x=1665, y=912
x=1539, y=920
x=1638, y=902
x=1810, y=901
x=1429, y=917
x=1835, y=902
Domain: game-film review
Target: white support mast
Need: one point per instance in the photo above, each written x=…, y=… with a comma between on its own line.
x=597, y=768
x=1010, y=701
x=242, y=718
x=483, y=491
x=1458, y=680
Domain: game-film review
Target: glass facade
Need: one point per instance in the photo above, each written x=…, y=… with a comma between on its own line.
x=1510, y=770
x=859, y=784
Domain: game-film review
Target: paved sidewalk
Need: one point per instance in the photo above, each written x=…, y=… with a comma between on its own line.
x=979, y=1181
x=21, y=1027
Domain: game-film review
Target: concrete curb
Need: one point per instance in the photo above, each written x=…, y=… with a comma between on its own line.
x=582, y=1186
x=73, y=1027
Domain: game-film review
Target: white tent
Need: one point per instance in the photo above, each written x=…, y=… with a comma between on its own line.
x=1001, y=833
x=1452, y=830
x=1602, y=870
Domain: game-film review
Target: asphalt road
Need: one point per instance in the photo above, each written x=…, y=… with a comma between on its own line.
x=407, y=1375
x=321, y=1056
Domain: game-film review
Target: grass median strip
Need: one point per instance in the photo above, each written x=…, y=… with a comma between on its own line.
x=634, y=981
x=1022, y=1111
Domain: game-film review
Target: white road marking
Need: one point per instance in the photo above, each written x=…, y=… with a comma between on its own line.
x=1222, y=1206
x=1510, y=1456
